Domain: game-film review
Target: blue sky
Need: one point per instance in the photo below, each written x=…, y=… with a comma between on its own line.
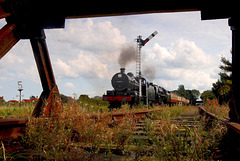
x=85, y=53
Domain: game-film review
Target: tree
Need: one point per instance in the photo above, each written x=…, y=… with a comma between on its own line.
x=181, y=91
x=207, y=95
x=226, y=66
x=64, y=98
x=2, y=101
x=222, y=87
x=194, y=96
x=84, y=97
x=191, y=95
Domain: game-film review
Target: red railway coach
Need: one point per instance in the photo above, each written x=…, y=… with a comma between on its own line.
x=178, y=99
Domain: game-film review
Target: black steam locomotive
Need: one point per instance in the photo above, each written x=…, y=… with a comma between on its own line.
x=126, y=90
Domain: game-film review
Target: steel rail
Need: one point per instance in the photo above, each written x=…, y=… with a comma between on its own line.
x=14, y=128
x=232, y=125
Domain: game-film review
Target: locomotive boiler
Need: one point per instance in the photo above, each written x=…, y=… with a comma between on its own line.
x=123, y=82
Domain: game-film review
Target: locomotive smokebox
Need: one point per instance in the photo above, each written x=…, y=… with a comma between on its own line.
x=121, y=81
x=122, y=70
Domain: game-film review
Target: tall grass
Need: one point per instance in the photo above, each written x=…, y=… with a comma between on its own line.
x=219, y=110
x=74, y=136
x=172, y=142
x=15, y=111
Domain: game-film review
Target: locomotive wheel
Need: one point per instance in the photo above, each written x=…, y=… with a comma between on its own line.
x=114, y=105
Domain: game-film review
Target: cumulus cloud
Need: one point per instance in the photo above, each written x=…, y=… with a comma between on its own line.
x=85, y=49
x=69, y=85
x=181, y=54
x=87, y=66
x=63, y=69
x=85, y=54
x=86, y=35
x=182, y=63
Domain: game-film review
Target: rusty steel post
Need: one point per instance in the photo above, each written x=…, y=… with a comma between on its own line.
x=234, y=104
x=7, y=39
x=49, y=102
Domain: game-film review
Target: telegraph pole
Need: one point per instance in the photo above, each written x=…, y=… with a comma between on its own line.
x=140, y=44
x=20, y=89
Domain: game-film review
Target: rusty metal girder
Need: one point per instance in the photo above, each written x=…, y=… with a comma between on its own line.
x=7, y=39
x=49, y=104
x=50, y=101
x=3, y=14
x=234, y=103
x=12, y=128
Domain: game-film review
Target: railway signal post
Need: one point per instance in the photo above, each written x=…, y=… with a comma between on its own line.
x=20, y=89
x=140, y=44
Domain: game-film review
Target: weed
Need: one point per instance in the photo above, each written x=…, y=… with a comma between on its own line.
x=74, y=136
x=219, y=110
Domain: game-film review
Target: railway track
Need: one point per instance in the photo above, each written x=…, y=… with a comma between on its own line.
x=145, y=132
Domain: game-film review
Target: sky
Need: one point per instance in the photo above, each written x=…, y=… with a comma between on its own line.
x=85, y=53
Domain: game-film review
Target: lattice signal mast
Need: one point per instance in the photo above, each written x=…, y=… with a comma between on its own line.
x=20, y=89
x=140, y=44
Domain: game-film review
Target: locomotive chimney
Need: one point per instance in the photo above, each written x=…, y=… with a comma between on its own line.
x=122, y=70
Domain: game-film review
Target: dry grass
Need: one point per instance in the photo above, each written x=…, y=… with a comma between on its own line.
x=15, y=111
x=74, y=136
x=219, y=110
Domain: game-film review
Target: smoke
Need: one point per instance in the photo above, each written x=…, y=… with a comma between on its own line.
x=149, y=72
x=127, y=55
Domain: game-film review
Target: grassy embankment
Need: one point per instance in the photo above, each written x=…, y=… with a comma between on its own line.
x=76, y=137
x=219, y=110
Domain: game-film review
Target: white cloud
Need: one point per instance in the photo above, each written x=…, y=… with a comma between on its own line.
x=62, y=69
x=85, y=53
x=69, y=85
x=181, y=54
x=87, y=66
x=183, y=63
x=187, y=54
x=29, y=73
x=85, y=49
x=85, y=35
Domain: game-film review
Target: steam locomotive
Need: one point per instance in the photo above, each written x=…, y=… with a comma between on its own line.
x=126, y=90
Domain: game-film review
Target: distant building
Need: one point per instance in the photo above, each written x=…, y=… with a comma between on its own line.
x=97, y=97
x=13, y=101
x=1, y=98
x=199, y=103
x=30, y=100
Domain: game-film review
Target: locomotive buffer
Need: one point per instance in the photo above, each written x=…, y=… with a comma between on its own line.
x=140, y=44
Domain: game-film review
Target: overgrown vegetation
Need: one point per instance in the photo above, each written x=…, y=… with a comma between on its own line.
x=13, y=110
x=74, y=136
x=92, y=104
x=191, y=95
x=221, y=89
x=219, y=110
